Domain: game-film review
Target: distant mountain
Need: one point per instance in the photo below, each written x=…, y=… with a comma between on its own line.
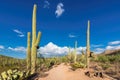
x=111, y=52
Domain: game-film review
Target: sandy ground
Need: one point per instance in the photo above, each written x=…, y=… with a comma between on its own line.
x=63, y=72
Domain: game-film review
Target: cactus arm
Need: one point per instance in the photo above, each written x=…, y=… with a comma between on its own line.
x=28, y=52
x=38, y=39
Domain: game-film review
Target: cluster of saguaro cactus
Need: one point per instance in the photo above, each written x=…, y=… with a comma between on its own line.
x=32, y=51
x=88, y=45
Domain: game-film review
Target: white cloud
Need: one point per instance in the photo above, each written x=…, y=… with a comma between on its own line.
x=46, y=4
x=17, y=31
x=20, y=34
x=98, y=45
x=114, y=43
x=79, y=49
x=72, y=36
x=2, y=47
x=18, y=49
x=53, y=49
x=59, y=11
x=113, y=47
x=99, y=50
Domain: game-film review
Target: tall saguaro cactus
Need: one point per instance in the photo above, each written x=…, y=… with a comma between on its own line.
x=32, y=53
x=88, y=45
x=35, y=41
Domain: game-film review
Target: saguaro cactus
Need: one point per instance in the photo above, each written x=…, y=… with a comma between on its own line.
x=88, y=45
x=28, y=52
x=75, y=52
x=32, y=53
x=35, y=41
x=69, y=55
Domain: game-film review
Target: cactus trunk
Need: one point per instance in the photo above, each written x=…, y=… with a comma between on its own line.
x=88, y=45
x=28, y=52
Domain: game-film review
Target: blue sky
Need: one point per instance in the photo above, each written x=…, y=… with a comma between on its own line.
x=62, y=22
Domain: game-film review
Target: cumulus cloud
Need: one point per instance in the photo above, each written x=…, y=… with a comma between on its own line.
x=114, y=43
x=20, y=34
x=79, y=49
x=113, y=47
x=59, y=11
x=46, y=4
x=18, y=49
x=99, y=50
x=53, y=49
x=2, y=47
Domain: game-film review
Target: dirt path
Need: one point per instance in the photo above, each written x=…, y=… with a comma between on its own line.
x=63, y=72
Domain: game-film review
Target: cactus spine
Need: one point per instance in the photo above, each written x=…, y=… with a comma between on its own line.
x=75, y=51
x=28, y=52
x=88, y=45
x=32, y=53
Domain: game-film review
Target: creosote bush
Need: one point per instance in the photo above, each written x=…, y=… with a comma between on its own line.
x=108, y=58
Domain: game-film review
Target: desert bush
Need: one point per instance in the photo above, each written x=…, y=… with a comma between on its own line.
x=105, y=66
x=77, y=65
x=114, y=58
x=81, y=58
x=108, y=58
x=103, y=59
x=70, y=57
x=65, y=59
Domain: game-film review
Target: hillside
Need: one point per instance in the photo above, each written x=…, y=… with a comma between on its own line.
x=111, y=52
x=7, y=62
x=7, y=57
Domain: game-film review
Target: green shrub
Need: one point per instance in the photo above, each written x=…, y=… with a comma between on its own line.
x=81, y=58
x=105, y=66
x=103, y=59
x=77, y=65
